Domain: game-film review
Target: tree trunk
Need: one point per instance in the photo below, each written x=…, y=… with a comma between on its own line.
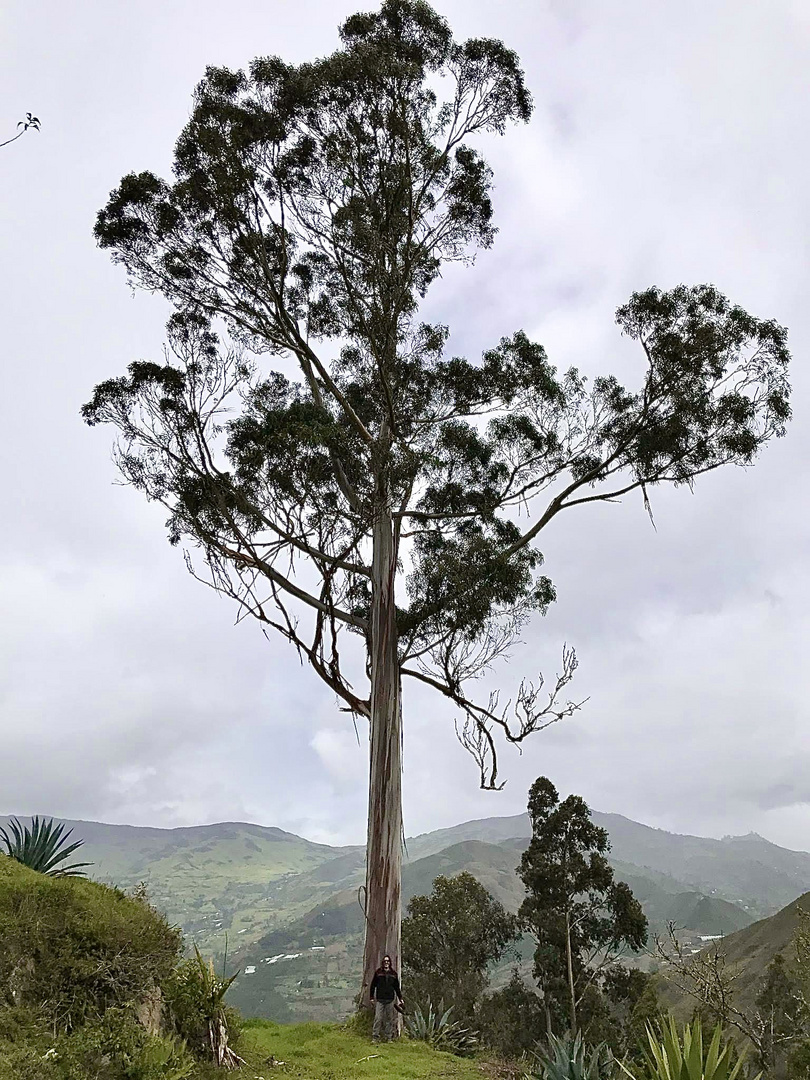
x=569, y=958
x=384, y=844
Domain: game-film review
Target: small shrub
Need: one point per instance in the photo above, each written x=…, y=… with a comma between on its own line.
x=25, y=1042
x=195, y=995
x=113, y=1048
x=118, y=1048
x=27, y=1062
x=567, y=1058
x=673, y=1056
x=512, y=1021
x=437, y=1029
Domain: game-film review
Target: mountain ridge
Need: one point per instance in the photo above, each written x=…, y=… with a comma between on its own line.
x=505, y=825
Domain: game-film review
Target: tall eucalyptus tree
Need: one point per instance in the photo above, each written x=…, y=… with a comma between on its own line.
x=345, y=481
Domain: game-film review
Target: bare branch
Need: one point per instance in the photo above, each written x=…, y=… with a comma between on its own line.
x=517, y=720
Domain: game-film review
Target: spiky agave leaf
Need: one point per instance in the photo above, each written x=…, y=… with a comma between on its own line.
x=437, y=1029
x=213, y=987
x=672, y=1056
x=568, y=1058
x=41, y=847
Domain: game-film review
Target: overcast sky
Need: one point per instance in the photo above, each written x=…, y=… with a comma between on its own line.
x=670, y=144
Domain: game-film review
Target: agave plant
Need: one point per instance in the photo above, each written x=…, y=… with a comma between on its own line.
x=570, y=1058
x=202, y=996
x=435, y=1027
x=681, y=1057
x=41, y=847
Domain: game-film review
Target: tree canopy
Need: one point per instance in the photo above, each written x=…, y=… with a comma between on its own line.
x=312, y=208
x=450, y=938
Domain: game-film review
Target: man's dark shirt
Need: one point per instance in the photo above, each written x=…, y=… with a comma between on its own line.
x=385, y=986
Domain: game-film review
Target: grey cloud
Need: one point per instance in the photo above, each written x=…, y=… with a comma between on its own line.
x=669, y=144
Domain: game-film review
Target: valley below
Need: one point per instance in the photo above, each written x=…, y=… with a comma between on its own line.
x=285, y=912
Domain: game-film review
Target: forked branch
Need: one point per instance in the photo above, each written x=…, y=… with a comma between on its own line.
x=516, y=719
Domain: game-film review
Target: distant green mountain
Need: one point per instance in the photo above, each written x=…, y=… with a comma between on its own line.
x=231, y=877
x=276, y=895
x=746, y=870
x=312, y=964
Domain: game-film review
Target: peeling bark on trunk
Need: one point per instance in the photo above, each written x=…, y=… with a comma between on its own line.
x=384, y=846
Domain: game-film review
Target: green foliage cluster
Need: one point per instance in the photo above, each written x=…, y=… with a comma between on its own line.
x=569, y=1057
x=675, y=1055
x=784, y=1014
x=515, y=1019
x=669, y=1054
x=115, y=1047
x=512, y=1020
x=450, y=938
x=195, y=996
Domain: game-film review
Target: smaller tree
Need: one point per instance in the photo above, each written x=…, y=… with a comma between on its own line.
x=582, y=920
x=632, y=998
x=777, y=1024
x=450, y=938
x=196, y=997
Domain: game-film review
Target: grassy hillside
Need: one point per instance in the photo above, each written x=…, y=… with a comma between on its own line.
x=76, y=960
x=749, y=951
x=330, y=1052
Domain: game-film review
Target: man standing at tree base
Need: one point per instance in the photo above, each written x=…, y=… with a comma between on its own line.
x=385, y=993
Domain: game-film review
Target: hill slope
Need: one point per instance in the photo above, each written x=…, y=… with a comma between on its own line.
x=748, y=870
x=211, y=879
x=748, y=952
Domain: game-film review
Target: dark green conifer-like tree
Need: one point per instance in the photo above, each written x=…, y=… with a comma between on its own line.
x=581, y=919
x=347, y=482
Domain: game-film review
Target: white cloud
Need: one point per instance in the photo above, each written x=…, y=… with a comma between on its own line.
x=670, y=144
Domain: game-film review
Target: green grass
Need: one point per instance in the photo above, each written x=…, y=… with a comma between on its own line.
x=332, y=1052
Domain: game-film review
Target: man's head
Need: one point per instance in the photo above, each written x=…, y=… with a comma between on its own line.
x=386, y=963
